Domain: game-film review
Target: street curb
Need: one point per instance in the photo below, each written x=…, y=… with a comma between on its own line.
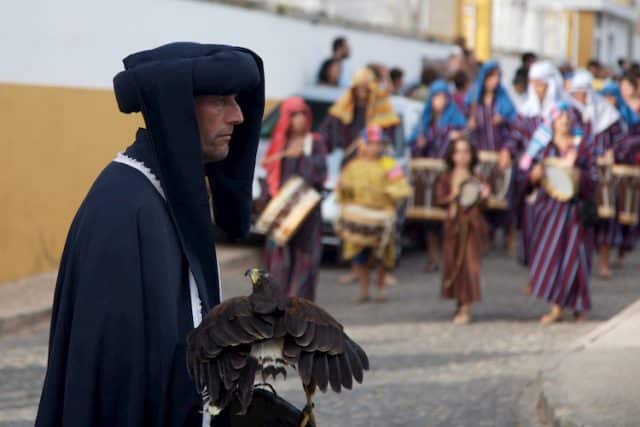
x=550, y=410
x=241, y=258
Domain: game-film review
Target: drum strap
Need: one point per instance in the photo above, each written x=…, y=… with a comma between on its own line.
x=386, y=235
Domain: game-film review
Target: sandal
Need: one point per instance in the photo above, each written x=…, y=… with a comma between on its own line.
x=381, y=298
x=461, y=318
x=580, y=316
x=554, y=316
x=431, y=267
x=362, y=299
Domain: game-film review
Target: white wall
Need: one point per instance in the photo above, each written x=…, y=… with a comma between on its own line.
x=81, y=43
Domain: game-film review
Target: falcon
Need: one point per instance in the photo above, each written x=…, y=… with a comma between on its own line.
x=250, y=339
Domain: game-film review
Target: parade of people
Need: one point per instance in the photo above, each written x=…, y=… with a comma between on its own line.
x=321, y=214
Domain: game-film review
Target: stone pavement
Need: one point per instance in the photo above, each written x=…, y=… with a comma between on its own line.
x=28, y=301
x=425, y=371
x=595, y=383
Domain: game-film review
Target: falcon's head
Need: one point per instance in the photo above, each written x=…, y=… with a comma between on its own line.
x=258, y=277
x=266, y=294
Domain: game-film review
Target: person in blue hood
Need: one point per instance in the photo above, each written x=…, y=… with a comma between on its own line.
x=441, y=122
x=491, y=115
x=139, y=266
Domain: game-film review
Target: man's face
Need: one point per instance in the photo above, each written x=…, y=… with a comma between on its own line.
x=216, y=116
x=345, y=51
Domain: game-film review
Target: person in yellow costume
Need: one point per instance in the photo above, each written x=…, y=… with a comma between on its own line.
x=363, y=104
x=373, y=181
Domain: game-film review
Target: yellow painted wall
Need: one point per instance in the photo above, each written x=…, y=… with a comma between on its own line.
x=474, y=23
x=586, y=21
x=54, y=142
x=580, y=39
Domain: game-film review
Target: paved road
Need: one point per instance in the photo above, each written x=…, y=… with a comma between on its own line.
x=425, y=371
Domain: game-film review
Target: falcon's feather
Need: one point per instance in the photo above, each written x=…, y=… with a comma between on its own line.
x=264, y=332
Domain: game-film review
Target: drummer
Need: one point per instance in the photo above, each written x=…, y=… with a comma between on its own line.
x=370, y=182
x=560, y=254
x=295, y=151
x=623, y=153
x=464, y=229
x=544, y=90
x=363, y=104
x=602, y=124
x=441, y=121
x=491, y=114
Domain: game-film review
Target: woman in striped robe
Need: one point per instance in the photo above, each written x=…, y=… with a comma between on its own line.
x=559, y=266
x=624, y=152
x=603, y=124
x=491, y=114
x=294, y=151
x=544, y=90
x=441, y=121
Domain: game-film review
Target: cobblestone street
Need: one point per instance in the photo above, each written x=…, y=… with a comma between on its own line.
x=425, y=371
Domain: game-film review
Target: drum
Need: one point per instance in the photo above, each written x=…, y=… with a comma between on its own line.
x=559, y=181
x=498, y=180
x=627, y=180
x=605, y=191
x=365, y=226
x=287, y=210
x=423, y=175
x=470, y=193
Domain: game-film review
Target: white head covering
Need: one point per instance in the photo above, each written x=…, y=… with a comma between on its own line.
x=597, y=111
x=548, y=73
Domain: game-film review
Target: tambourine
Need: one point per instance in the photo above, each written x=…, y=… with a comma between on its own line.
x=470, y=193
x=559, y=180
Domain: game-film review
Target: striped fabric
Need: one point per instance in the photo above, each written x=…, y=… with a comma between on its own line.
x=522, y=130
x=491, y=137
x=560, y=245
x=437, y=142
x=609, y=231
x=295, y=265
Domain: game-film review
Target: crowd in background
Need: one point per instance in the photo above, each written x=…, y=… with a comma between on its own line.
x=585, y=120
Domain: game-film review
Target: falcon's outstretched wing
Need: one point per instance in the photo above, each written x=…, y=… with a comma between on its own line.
x=324, y=353
x=226, y=351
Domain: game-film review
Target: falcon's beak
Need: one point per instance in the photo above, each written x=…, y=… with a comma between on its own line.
x=254, y=274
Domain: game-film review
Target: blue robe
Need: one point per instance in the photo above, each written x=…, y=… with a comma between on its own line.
x=123, y=283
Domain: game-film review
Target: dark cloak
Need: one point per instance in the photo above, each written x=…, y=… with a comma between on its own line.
x=122, y=307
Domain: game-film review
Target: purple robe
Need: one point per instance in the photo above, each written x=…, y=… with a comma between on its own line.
x=609, y=231
x=522, y=130
x=488, y=136
x=437, y=142
x=295, y=265
x=560, y=250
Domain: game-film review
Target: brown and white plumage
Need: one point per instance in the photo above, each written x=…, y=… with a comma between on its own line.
x=263, y=333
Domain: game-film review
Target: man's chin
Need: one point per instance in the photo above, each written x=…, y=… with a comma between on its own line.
x=215, y=155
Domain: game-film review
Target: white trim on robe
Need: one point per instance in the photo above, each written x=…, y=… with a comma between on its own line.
x=196, y=302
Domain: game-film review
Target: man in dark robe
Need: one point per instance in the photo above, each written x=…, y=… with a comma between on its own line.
x=139, y=267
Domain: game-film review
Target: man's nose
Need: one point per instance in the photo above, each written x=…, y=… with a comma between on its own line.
x=234, y=114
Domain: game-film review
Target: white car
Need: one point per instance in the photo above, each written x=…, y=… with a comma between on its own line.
x=319, y=99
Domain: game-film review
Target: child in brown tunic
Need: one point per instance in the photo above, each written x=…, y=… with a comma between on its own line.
x=465, y=230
